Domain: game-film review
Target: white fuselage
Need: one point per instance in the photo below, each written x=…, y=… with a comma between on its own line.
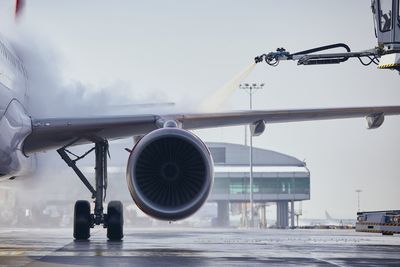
x=15, y=124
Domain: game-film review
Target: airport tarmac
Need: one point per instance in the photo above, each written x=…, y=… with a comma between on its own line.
x=199, y=247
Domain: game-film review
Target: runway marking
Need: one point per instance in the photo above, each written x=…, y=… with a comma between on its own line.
x=330, y=262
x=39, y=262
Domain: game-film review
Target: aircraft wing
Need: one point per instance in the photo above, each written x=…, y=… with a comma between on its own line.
x=53, y=133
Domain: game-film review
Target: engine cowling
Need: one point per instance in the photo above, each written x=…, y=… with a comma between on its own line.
x=170, y=174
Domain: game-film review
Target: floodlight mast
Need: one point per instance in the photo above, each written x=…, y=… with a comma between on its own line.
x=251, y=89
x=358, y=191
x=386, y=54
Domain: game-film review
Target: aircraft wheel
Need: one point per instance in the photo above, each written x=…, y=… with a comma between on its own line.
x=82, y=220
x=115, y=221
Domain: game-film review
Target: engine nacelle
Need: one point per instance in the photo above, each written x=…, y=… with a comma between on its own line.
x=170, y=174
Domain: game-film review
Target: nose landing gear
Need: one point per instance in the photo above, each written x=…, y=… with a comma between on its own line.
x=83, y=218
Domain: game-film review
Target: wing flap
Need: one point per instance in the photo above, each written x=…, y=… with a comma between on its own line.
x=55, y=133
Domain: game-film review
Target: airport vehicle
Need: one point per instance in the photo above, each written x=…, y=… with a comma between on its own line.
x=386, y=222
x=386, y=54
x=169, y=169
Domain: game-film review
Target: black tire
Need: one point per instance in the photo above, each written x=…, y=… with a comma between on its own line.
x=115, y=221
x=82, y=220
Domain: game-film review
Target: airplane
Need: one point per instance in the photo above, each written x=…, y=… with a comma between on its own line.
x=336, y=221
x=169, y=170
x=328, y=221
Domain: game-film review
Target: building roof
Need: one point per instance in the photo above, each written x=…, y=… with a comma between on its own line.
x=235, y=154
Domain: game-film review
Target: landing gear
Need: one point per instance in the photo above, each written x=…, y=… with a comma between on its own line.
x=83, y=219
x=115, y=220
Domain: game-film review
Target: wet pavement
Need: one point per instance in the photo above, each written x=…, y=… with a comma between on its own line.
x=199, y=247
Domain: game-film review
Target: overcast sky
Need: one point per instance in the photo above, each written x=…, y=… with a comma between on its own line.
x=182, y=51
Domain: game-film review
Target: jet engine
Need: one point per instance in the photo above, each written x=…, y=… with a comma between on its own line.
x=170, y=173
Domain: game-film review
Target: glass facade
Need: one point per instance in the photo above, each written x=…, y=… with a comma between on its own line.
x=385, y=15
x=218, y=154
x=262, y=185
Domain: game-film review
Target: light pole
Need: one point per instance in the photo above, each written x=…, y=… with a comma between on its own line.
x=358, y=191
x=251, y=89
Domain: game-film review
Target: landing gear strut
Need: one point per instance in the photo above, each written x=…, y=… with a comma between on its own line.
x=83, y=219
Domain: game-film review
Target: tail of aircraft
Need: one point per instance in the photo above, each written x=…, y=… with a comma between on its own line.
x=19, y=5
x=328, y=217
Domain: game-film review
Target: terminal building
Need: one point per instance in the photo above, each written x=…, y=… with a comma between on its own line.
x=277, y=178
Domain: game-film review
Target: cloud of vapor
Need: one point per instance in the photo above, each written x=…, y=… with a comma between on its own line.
x=49, y=95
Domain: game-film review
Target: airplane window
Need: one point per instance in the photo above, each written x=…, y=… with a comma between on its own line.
x=385, y=15
x=6, y=54
x=13, y=60
x=2, y=49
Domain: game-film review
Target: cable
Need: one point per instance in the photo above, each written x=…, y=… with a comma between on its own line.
x=374, y=60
